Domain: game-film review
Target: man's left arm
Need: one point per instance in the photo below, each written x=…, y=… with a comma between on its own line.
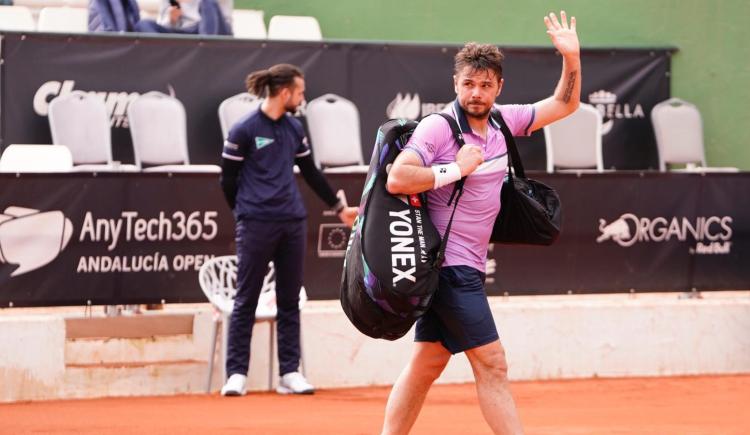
x=318, y=183
x=567, y=95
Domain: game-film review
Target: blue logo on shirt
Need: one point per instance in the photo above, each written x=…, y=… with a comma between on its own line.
x=261, y=142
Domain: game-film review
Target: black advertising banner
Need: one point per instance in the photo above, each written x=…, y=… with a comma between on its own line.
x=726, y=259
x=67, y=239
x=622, y=231
x=71, y=239
x=383, y=80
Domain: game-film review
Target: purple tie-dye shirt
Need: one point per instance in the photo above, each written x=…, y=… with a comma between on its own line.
x=480, y=203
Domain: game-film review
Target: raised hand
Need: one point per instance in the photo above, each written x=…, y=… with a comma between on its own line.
x=564, y=37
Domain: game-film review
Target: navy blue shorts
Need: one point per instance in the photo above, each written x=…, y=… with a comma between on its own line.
x=460, y=316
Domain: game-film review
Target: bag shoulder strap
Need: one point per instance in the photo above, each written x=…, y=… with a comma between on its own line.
x=510, y=142
x=458, y=188
x=459, y=137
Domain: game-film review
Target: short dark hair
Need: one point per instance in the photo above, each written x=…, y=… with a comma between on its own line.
x=272, y=80
x=479, y=57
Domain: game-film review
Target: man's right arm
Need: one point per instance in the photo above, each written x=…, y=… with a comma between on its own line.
x=408, y=175
x=232, y=159
x=230, y=171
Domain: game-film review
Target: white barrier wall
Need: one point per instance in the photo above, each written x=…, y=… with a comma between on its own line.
x=545, y=338
x=560, y=337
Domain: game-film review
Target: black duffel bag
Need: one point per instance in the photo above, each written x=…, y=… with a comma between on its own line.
x=530, y=210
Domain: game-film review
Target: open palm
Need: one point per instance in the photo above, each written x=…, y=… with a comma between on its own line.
x=564, y=37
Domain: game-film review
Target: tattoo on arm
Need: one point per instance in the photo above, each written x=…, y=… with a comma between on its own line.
x=569, y=87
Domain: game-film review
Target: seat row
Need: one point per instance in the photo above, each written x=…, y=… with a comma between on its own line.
x=575, y=143
x=81, y=134
x=246, y=24
x=158, y=127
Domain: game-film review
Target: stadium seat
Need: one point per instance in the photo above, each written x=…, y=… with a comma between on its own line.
x=80, y=121
x=36, y=158
x=218, y=280
x=294, y=28
x=158, y=127
x=234, y=108
x=678, y=128
x=16, y=18
x=333, y=122
x=575, y=142
x=248, y=24
x=65, y=19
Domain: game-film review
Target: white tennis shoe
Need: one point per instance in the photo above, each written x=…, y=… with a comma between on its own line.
x=235, y=385
x=294, y=383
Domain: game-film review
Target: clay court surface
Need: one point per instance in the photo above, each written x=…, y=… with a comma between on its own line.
x=644, y=406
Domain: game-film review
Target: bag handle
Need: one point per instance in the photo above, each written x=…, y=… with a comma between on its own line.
x=510, y=142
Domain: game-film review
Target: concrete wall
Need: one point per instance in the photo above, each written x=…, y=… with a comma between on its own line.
x=710, y=69
x=554, y=337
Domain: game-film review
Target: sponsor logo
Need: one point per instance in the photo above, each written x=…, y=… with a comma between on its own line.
x=117, y=102
x=31, y=238
x=611, y=110
x=332, y=240
x=414, y=201
x=262, y=142
x=410, y=106
x=403, y=252
x=711, y=234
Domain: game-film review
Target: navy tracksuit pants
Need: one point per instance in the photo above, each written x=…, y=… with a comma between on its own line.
x=259, y=242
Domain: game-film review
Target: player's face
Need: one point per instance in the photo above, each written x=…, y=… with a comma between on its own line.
x=296, y=95
x=476, y=91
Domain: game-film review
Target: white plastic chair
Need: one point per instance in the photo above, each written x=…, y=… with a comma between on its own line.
x=294, y=28
x=333, y=122
x=234, y=108
x=678, y=128
x=36, y=158
x=16, y=18
x=158, y=127
x=575, y=142
x=218, y=280
x=64, y=19
x=80, y=121
x=248, y=24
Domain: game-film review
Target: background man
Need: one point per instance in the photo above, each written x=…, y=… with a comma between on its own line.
x=259, y=184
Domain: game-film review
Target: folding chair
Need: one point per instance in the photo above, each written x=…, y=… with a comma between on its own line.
x=36, y=158
x=158, y=127
x=294, y=28
x=80, y=121
x=575, y=142
x=16, y=18
x=218, y=280
x=234, y=108
x=63, y=19
x=248, y=24
x=333, y=122
x=678, y=128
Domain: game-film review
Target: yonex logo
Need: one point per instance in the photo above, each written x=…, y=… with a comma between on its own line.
x=443, y=171
x=403, y=252
x=32, y=239
x=261, y=142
